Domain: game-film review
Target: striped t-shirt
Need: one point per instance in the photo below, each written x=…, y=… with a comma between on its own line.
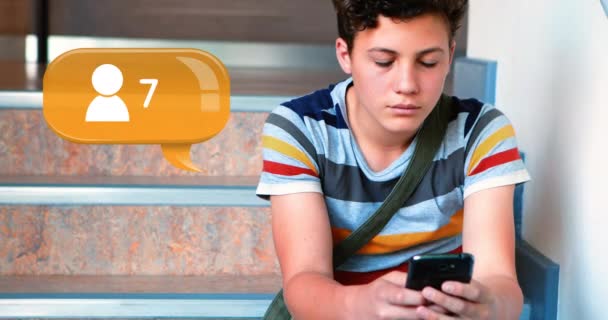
x=308, y=147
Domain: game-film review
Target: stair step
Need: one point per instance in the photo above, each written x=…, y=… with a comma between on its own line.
x=26, y=100
x=142, y=297
x=36, y=233
x=224, y=296
x=29, y=147
x=209, y=191
x=244, y=80
x=127, y=240
x=134, y=225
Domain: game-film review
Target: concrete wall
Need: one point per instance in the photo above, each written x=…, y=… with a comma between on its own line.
x=553, y=84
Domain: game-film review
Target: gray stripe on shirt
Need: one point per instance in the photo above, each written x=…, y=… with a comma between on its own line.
x=295, y=132
x=481, y=124
x=349, y=183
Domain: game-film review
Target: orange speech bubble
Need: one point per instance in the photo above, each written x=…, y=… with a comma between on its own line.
x=172, y=97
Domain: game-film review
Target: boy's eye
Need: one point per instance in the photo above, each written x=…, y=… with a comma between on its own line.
x=384, y=64
x=428, y=64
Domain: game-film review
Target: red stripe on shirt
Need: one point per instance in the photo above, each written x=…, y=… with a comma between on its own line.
x=495, y=160
x=349, y=278
x=285, y=169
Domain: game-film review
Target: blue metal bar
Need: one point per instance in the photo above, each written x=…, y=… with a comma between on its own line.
x=475, y=78
x=539, y=279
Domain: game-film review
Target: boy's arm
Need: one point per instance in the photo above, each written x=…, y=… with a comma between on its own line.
x=493, y=166
x=303, y=241
x=489, y=235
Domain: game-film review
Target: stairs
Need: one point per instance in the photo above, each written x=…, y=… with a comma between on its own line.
x=115, y=231
x=89, y=231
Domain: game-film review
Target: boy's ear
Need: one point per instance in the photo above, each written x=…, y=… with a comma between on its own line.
x=343, y=55
x=452, y=50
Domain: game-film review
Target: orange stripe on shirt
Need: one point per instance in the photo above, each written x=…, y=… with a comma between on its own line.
x=288, y=150
x=486, y=146
x=395, y=242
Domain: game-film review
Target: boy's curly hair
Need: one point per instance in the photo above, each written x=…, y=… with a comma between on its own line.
x=358, y=15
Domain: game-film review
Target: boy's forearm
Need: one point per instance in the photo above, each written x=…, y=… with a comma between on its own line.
x=508, y=298
x=315, y=296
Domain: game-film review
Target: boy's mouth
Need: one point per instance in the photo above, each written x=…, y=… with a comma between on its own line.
x=405, y=106
x=405, y=109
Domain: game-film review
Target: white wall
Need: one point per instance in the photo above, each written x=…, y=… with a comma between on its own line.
x=553, y=84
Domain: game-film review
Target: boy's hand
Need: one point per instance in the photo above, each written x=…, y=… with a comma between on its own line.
x=386, y=298
x=461, y=300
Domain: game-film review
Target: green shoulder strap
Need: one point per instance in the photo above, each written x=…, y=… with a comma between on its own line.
x=429, y=139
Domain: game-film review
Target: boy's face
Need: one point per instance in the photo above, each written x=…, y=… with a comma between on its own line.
x=398, y=70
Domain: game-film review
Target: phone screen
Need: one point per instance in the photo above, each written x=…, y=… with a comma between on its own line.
x=434, y=269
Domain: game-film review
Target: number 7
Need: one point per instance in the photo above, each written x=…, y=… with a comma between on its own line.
x=154, y=83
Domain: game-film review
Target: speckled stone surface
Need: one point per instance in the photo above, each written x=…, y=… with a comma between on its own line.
x=29, y=147
x=41, y=240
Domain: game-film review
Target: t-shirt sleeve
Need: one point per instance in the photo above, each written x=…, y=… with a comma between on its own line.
x=492, y=158
x=289, y=157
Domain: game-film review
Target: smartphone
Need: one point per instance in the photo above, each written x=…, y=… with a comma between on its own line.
x=433, y=269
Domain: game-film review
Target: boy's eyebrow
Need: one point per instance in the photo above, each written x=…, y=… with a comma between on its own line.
x=384, y=50
x=393, y=52
x=429, y=50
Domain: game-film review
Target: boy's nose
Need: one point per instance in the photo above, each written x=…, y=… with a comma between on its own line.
x=407, y=81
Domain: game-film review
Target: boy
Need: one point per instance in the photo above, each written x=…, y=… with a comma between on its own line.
x=332, y=157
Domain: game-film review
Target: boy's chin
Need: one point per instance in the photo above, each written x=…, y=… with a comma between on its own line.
x=406, y=130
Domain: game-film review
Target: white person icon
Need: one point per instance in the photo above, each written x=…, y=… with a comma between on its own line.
x=107, y=107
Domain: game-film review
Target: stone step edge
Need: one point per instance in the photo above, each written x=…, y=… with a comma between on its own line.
x=209, y=307
x=223, y=296
x=134, y=308
x=250, y=296
x=138, y=285
x=11, y=99
x=225, y=191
